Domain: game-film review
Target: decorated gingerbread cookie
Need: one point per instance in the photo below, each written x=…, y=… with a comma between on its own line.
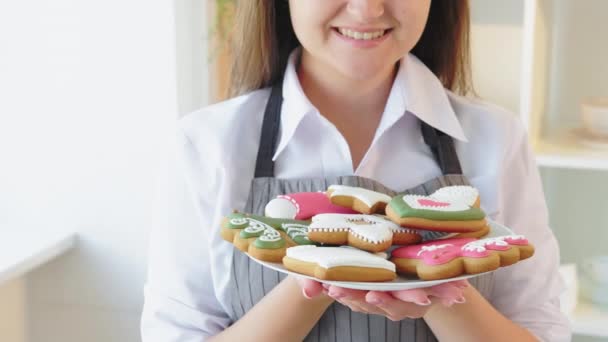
x=425, y=212
x=458, y=193
x=367, y=232
x=404, y=236
x=303, y=206
x=264, y=238
x=474, y=234
x=359, y=199
x=449, y=258
x=338, y=264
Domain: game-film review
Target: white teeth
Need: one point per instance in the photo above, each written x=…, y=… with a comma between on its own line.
x=361, y=35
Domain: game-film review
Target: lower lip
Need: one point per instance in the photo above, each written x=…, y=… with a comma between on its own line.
x=362, y=43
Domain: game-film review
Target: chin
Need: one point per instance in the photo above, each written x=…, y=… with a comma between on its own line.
x=363, y=71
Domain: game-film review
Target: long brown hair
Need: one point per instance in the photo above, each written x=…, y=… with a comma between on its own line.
x=263, y=37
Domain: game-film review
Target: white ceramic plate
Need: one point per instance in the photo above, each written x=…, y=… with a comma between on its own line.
x=401, y=283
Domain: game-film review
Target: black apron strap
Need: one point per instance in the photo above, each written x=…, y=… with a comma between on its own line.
x=443, y=149
x=264, y=166
x=440, y=143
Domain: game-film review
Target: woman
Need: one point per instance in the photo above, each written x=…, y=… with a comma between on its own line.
x=357, y=92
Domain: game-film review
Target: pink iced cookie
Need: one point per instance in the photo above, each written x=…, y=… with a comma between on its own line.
x=303, y=206
x=441, y=259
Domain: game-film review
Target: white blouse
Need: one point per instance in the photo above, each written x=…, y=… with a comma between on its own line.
x=213, y=160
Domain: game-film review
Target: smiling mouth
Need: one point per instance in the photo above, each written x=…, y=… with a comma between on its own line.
x=358, y=35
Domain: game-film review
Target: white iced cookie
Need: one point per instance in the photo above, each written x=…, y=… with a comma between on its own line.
x=338, y=264
x=359, y=199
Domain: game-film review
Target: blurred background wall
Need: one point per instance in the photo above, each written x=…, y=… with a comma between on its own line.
x=88, y=89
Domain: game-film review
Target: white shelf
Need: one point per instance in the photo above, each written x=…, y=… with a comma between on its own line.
x=589, y=320
x=565, y=151
x=20, y=252
x=562, y=64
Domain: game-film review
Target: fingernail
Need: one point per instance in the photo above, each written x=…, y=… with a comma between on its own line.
x=427, y=302
x=306, y=294
x=460, y=300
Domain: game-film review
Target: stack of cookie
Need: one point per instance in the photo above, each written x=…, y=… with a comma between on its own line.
x=343, y=234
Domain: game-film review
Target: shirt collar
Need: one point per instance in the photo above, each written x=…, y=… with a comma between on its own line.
x=426, y=98
x=295, y=103
x=415, y=90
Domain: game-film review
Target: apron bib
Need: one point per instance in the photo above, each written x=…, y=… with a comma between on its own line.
x=251, y=282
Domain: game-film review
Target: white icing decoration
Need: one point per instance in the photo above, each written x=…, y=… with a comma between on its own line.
x=328, y=257
x=403, y=230
x=238, y=221
x=457, y=193
x=282, y=208
x=432, y=248
x=480, y=245
x=375, y=230
x=499, y=241
x=256, y=226
x=294, y=230
x=471, y=247
x=368, y=197
x=270, y=235
x=372, y=233
x=412, y=201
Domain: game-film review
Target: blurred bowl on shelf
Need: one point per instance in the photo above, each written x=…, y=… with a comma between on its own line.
x=594, y=280
x=594, y=292
x=596, y=268
x=594, y=113
x=588, y=140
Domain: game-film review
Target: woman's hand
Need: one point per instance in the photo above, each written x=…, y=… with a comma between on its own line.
x=310, y=288
x=395, y=305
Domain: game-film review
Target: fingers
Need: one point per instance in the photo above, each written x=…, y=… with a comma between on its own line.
x=340, y=292
x=310, y=288
x=354, y=299
x=396, y=309
x=416, y=296
x=448, y=293
x=362, y=306
x=396, y=305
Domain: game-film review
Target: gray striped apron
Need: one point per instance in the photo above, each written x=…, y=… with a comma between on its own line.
x=250, y=281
